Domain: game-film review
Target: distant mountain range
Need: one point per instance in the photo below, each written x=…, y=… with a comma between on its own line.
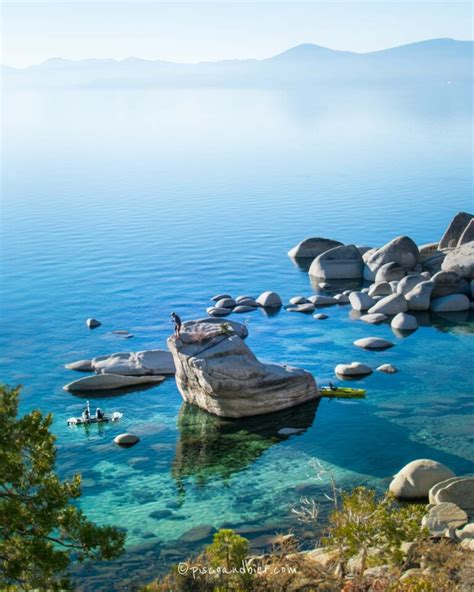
x=434, y=60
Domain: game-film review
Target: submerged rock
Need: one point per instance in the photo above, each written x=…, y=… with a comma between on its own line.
x=373, y=343
x=219, y=373
x=312, y=247
x=126, y=439
x=387, y=368
x=344, y=262
x=416, y=478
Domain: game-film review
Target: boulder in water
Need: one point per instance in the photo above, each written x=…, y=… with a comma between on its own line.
x=216, y=371
x=310, y=248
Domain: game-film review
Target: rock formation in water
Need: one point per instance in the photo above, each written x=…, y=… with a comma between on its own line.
x=218, y=372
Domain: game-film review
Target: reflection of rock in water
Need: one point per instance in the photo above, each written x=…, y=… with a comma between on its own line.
x=210, y=446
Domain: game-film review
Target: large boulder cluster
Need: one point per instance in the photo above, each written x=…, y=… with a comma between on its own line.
x=404, y=278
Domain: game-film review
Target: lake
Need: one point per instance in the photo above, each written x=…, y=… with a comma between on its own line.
x=127, y=205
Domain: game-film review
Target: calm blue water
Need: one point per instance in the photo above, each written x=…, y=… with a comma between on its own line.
x=127, y=205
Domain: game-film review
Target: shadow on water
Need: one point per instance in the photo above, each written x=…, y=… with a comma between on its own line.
x=211, y=446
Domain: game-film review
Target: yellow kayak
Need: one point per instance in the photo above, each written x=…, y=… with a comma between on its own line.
x=343, y=392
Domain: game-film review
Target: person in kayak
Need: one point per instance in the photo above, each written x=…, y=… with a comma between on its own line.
x=332, y=387
x=99, y=414
x=177, y=323
x=86, y=415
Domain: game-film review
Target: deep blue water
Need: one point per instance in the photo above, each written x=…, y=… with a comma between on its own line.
x=127, y=205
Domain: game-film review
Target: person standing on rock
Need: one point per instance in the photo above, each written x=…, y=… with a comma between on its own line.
x=177, y=323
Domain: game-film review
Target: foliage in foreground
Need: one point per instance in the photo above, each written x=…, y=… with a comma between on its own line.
x=364, y=522
x=40, y=530
x=359, y=523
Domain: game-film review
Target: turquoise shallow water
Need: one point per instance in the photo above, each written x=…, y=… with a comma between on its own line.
x=127, y=205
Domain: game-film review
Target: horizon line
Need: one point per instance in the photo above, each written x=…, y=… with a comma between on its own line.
x=303, y=44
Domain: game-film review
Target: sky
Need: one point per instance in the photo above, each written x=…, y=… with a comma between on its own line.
x=195, y=31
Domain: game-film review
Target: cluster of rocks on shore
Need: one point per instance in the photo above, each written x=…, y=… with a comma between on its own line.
x=451, y=499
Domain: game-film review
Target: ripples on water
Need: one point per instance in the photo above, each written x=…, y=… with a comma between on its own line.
x=127, y=205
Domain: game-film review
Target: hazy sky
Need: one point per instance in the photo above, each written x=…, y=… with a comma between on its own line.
x=196, y=31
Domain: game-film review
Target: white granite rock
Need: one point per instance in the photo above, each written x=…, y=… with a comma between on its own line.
x=109, y=382
x=320, y=300
x=241, y=308
x=449, y=282
x=352, y=370
x=156, y=361
x=455, y=230
x=220, y=374
x=305, y=308
x=126, y=439
x=416, y=478
x=93, y=323
x=343, y=262
x=269, y=300
x=387, y=368
x=419, y=297
x=459, y=491
x=406, y=284
x=390, y=305
x=404, y=322
x=401, y=250
x=80, y=366
x=298, y=300
x=213, y=311
x=390, y=272
x=310, y=248
x=361, y=301
x=342, y=298
x=443, y=517
x=460, y=260
x=380, y=289
x=218, y=297
x=225, y=303
x=373, y=343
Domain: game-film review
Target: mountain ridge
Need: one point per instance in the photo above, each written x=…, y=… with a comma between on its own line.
x=436, y=59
